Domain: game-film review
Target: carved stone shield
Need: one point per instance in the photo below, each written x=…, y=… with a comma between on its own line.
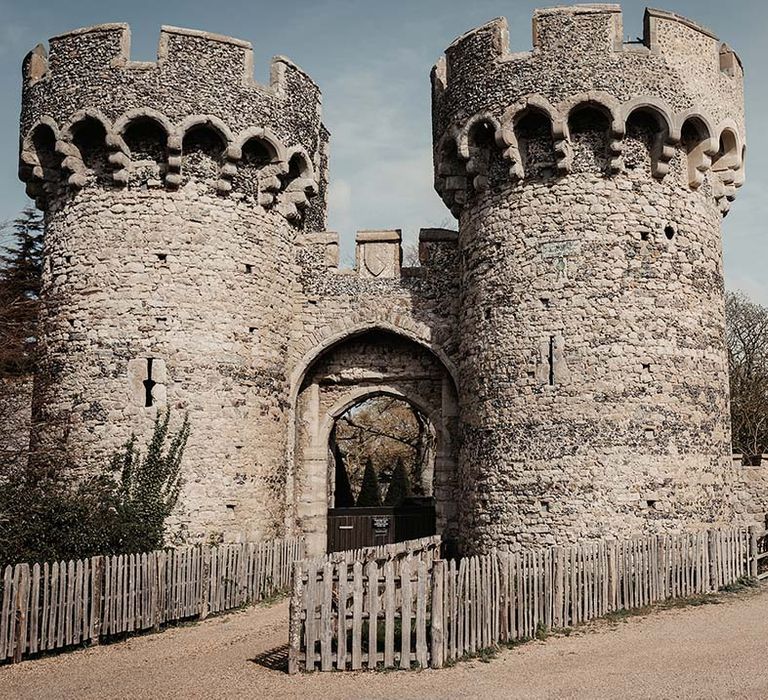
x=376, y=258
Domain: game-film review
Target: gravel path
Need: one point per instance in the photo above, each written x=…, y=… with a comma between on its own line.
x=710, y=651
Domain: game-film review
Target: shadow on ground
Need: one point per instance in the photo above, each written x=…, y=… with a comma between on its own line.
x=275, y=659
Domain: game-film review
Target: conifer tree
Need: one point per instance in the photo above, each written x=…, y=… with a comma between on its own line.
x=370, y=495
x=343, y=496
x=399, y=487
x=20, y=281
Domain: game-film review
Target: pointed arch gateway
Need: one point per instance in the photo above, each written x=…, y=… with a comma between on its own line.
x=361, y=365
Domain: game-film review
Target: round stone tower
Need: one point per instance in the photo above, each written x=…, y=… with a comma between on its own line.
x=589, y=177
x=173, y=192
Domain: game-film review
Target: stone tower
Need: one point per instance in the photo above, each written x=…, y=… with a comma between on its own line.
x=589, y=177
x=173, y=192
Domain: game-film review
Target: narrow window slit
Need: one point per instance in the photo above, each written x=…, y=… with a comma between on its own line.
x=551, y=360
x=149, y=384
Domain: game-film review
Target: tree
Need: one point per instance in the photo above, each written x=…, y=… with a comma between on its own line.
x=385, y=429
x=411, y=255
x=343, y=496
x=370, y=494
x=747, y=338
x=21, y=266
x=399, y=488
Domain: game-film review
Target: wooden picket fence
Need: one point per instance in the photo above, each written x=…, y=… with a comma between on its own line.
x=426, y=548
x=54, y=605
x=396, y=561
x=498, y=598
x=427, y=612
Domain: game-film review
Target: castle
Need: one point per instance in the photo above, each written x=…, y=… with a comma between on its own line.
x=566, y=344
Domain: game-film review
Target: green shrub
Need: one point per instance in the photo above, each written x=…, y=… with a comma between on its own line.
x=148, y=487
x=122, y=509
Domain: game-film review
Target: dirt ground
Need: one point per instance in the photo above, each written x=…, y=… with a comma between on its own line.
x=710, y=651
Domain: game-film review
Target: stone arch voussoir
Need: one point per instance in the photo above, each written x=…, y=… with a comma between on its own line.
x=313, y=346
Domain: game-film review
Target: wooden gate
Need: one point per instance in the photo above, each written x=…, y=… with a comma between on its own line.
x=352, y=528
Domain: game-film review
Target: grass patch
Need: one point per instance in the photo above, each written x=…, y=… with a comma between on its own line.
x=742, y=584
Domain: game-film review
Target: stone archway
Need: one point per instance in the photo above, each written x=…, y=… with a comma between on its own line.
x=372, y=362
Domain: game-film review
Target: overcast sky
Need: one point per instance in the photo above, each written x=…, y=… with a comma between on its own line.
x=372, y=60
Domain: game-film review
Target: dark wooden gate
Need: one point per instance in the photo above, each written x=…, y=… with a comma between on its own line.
x=352, y=528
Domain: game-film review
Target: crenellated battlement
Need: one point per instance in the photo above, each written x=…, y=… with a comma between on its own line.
x=379, y=252
x=592, y=28
x=679, y=90
x=108, y=46
x=91, y=116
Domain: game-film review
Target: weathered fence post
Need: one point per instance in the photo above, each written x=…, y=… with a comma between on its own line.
x=712, y=560
x=205, y=583
x=22, y=603
x=294, y=622
x=97, y=590
x=753, y=551
x=438, y=578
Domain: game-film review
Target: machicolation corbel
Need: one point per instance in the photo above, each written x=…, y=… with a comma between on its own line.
x=540, y=132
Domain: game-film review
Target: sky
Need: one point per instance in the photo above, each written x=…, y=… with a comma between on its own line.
x=371, y=60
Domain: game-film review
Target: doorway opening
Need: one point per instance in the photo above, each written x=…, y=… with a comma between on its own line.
x=374, y=395
x=381, y=469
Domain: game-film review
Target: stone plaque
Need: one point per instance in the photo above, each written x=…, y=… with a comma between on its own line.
x=377, y=258
x=378, y=253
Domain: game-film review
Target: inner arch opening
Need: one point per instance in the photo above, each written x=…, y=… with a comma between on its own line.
x=391, y=439
x=374, y=396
